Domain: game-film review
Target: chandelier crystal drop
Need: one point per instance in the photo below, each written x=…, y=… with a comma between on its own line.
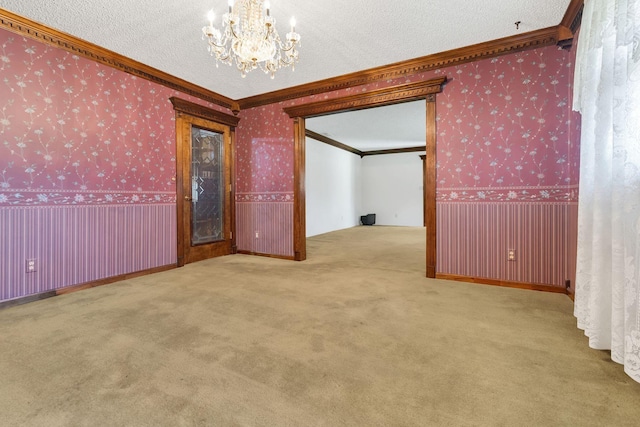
x=249, y=39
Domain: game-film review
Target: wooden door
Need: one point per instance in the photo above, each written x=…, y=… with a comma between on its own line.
x=205, y=214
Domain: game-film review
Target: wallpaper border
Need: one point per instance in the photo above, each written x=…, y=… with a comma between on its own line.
x=264, y=197
x=42, y=197
x=532, y=194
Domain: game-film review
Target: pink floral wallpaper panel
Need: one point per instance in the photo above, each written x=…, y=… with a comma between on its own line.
x=575, y=120
x=265, y=151
x=73, y=131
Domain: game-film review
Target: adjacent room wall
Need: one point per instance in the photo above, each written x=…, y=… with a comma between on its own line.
x=392, y=188
x=87, y=170
x=504, y=179
x=341, y=186
x=333, y=188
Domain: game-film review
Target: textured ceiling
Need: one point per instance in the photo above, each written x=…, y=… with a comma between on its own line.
x=382, y=128
x=338, y=37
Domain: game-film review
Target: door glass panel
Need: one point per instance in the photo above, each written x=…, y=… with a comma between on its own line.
x=207, y=186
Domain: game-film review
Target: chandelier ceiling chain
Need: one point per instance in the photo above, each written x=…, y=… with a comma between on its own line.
x=249, y=39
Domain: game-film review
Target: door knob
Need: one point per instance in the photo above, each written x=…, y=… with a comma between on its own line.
x=187, y=198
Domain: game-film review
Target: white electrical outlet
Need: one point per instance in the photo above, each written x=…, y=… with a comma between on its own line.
x=511, y=254
x=31, y=265
x=257, y=234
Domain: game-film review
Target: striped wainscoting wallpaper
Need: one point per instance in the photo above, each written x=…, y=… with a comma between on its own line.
x=473, y=240
x=572, y=242
x=79, y=244
x=265, y=227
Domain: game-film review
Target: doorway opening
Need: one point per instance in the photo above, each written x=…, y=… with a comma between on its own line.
x=365, y=162
x=425, y=90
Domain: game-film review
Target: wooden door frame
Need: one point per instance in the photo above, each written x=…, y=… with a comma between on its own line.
x=189, y=110
x=426, y=90
x=424, y=179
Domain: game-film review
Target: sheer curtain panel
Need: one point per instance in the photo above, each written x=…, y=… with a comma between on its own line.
x=607, y=93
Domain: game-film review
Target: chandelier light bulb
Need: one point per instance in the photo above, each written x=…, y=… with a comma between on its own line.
x=292, y=21
x=267, y=6
x=211, y=17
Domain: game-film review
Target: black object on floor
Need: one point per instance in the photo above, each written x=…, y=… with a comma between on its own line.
x=368, y=219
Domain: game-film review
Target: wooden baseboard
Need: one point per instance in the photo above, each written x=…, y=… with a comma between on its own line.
x=288, y=258
x=87, y=285
x=108, y=280
x=504, y=283
x=27, y=299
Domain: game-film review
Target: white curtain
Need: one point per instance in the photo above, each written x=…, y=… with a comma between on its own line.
x=607, y=93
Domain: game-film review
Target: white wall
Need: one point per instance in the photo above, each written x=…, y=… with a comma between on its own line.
x=332, y=188
x=392, y=189
x=340, y=187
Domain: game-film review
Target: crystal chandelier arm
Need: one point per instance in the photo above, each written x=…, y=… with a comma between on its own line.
x=212, y=41
x=270, y=33
x=229, y=23
x=287, y=47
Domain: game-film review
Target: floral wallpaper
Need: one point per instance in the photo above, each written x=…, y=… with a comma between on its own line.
x=575, y=121
x=502, y=130
x=265, y=155
x=75, y=132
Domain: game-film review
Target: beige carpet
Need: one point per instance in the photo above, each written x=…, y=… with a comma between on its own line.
x=355, y=336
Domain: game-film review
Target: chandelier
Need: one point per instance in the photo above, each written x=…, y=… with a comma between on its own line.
x=249, y=39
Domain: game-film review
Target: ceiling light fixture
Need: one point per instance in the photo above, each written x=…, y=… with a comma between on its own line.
x=249, y=38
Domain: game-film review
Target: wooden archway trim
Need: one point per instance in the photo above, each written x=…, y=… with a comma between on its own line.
x=192, y=109
x=430, y=187
x=426, y=90
x=370, y=99
x=423, y=157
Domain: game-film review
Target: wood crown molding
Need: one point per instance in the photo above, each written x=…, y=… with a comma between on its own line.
x=25, y=27
x=319, y=137
x=329, y=141
x=573, y=16
x=197, y=110
x=394, y=151
x=520, y=42
x=374, y=98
